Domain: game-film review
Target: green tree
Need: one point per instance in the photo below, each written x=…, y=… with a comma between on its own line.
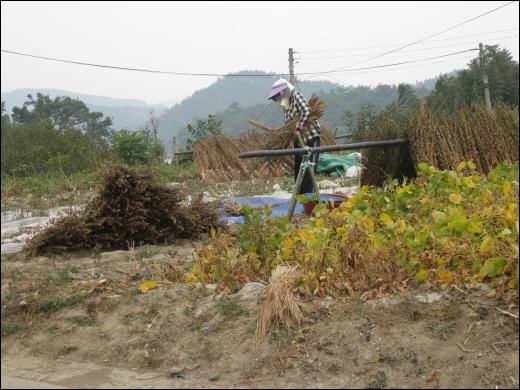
x=204, y=129
x=365, y=120
x=466, y=86
x=64, y=113
x=39, y=148
x=6, y=122
x=406, y=97
x=131, y=146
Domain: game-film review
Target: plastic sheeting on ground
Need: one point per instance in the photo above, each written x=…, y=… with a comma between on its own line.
x=280, y=207
x=337, y=165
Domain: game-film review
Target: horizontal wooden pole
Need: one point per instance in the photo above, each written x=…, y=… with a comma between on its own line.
x=323, y=149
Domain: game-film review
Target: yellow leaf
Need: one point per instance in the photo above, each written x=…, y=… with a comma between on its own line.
x=402, y=226
x=148, y=285
x=385, y=218
x=506, y=188
x=487, y=211
x=486, y=246
x=445, y=275
x=288, y=242
x=342, y=231
x=511, y=217
x=469, y=182
x=471, y=165
x=369, y=224
x=421, y=275
x=404, y=189
x=486, y=197
x=475, y=226
x=424, y=200
x=455, y=198
x=461, y=166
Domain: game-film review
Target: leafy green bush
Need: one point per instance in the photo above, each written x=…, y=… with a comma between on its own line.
x=448, y=227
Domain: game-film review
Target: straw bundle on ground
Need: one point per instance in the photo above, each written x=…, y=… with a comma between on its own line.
x=131, y=209
x=281, y=306
x=443, y=140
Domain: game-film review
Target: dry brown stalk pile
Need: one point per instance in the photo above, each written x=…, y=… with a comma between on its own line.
x=131, y=209
x=442, y=140
x=217, y=158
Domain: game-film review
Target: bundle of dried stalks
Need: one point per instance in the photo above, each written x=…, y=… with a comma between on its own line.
x=281, y=306
x=131, y=208
x=441, y=139
x=282, y=139
x=217, y=159
x=472, y=133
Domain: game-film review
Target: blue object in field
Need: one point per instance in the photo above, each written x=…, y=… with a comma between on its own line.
x=279, y=206
x=325, y=197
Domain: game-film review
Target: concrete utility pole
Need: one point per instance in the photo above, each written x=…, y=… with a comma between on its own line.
x=292, y=79
x=485, y=80
x=174, y=147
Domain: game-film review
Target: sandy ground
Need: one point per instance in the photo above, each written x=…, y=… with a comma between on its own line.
x=115, y=337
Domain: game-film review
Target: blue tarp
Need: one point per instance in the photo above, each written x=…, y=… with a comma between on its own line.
x=279, y=206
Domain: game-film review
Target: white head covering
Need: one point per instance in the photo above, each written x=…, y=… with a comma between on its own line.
x=279, y=86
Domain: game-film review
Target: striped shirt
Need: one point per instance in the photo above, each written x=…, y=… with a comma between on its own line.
x=298, y=106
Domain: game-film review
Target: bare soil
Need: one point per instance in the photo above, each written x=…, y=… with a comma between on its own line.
x=79, y=321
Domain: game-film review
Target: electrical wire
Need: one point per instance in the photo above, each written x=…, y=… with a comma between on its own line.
x=410, y=51
x=399, y=44
x=139, y=69
x=422, y=39
x=241, y=75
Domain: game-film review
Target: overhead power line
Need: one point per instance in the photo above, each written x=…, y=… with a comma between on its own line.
x=140, y=69
x=410, y=51
x=422, y=39
x=386, y=70
x=399, y=44
x=229, y=75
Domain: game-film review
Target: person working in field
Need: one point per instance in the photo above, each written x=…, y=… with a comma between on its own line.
x=293, y=103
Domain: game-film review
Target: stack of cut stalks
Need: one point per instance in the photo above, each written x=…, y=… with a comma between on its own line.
x=217, y=158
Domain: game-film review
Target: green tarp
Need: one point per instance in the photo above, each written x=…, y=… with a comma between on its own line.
x=337, y=164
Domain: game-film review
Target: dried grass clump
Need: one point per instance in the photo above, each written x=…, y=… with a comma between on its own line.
x=131, y=209
x=473, y=133
x=441, y=139
x=281, y=306
x=217, y=159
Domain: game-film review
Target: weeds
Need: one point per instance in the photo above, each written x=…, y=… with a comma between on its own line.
x=83, y=320
x=379, y=381
x=57, y=303
x=446, y=330
x=230, y=307
x=9, y=329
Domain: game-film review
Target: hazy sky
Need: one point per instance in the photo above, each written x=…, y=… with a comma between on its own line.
x=232, y=36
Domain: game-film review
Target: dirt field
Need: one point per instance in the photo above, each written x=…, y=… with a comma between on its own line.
x=80, y=321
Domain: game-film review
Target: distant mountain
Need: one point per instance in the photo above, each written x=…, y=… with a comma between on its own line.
x=243, y=91
x=236, y=99
x=126, y=113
